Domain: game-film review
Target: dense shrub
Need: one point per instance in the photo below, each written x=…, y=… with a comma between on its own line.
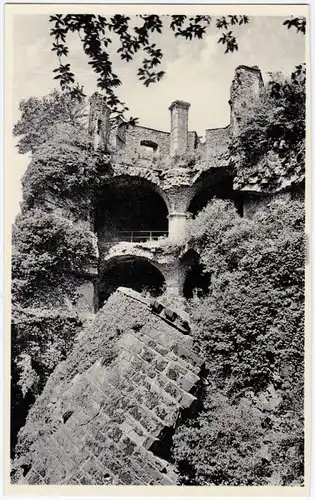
x=40, y=339
x=47, y=250
x=250, y=329
x=39, y=115
x=65, y=165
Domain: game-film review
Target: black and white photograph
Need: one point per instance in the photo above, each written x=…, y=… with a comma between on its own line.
x=158, y=204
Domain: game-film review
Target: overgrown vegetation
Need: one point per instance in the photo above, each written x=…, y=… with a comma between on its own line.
x=270, y=148
x=39, y=116
x=46, y=250
x=250, y=330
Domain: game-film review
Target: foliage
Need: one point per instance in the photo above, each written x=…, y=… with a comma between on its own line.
x=250, y=330
x=132, y=37
x=231, y=438
x=233, y=445
x=66, y=166
x=270, y=146
x=44, y=336
x=40, y=114
x=298, y=22
x=98, y=32
x=28, y=377
x=40, y=340
x=47, y=249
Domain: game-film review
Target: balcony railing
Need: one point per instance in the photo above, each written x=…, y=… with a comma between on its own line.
x=139, y=236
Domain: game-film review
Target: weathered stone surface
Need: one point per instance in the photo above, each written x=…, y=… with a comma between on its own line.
x=104, y=417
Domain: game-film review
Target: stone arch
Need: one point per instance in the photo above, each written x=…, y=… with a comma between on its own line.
x=133, y=271
x=131, y=208
x=217, y=183
x=147, y=175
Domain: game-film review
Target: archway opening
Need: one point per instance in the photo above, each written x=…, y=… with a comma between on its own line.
x=130, y=209
x=132, y=272
x=222, y=189
x=197, y=280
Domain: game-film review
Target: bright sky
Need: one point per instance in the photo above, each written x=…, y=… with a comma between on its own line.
x=198, y=72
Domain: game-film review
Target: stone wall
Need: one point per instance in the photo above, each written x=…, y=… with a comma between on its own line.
x=127, y=382
x=217, y=141
x=134, y=136
x=99, y=126
x=193, y=141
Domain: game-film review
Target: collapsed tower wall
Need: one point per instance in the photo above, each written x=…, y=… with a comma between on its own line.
x=111, y=406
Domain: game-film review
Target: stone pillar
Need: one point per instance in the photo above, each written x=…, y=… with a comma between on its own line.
x=99, y=126
x=176, y=226
x=179, y=127
x=174, y=277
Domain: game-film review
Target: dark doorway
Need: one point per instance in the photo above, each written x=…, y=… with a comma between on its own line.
x=197, y=281
x=222, y=189
x=135, y=273
x=130, y=207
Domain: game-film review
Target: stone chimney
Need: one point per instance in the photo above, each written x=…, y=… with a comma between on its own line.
x=246, y=90
x=179, y=127
x=99, y=126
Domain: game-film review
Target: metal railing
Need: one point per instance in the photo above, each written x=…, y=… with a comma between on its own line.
x=139, y=236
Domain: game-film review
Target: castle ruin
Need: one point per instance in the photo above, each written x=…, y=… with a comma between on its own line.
x=160, y=178
x=108, y=411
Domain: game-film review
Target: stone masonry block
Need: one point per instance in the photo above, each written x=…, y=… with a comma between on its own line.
x=187, y=400
x=114, y=432
x=34, y=478
x=135, y=438
x=40, y=467
x=190, y=356
x=147, y=354
x=161, y=350
x=57, y=473
x=186, y=383
x=172, y=373
x=54, y=448
x=180, y=368
x=94, y=470
x=161, y=365
x=85, y=479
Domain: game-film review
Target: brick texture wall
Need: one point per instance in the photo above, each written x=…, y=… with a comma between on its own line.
x=134, y=135
x=217, y=141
